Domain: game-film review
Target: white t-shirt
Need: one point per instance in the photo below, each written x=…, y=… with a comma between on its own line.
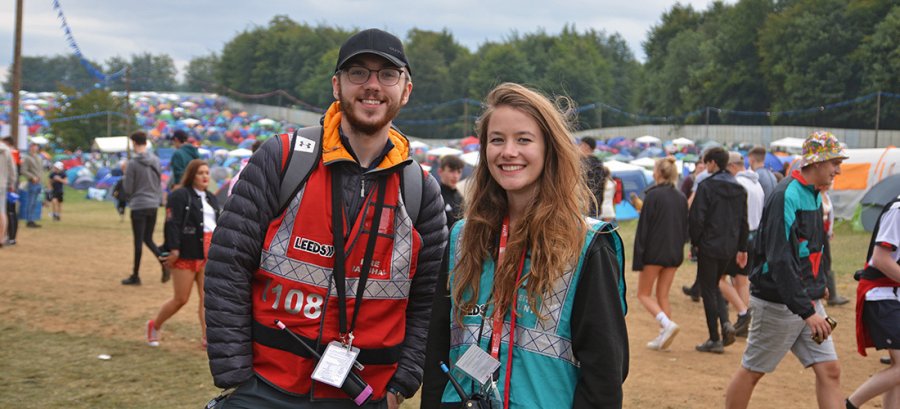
x=888, y=232
x=755, y=197
x=209, y=214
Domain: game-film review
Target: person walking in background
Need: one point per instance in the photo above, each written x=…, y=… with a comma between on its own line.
x=33, y=172
x=383, y=278
x=596, y=174
x=767, y=179
x=191, y=215
x=833, y=299
x=787, y=285
x=718, y=229
x=12, y=216
x=608, y=204
x=8, y=178
x=526, y=258
x=184, y=153
x=144, y=193
x=450, y=172
x=738, y=292
x=662, y=231
x=58, y=179
x=687, y=184
x=878, y=309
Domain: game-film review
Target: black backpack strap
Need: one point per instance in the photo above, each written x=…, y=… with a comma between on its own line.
x=411, y=181
x=304, y=154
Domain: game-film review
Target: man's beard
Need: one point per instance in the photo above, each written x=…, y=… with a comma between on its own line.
x=362, y=125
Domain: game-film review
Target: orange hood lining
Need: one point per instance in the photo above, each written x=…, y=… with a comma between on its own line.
x=334, y=150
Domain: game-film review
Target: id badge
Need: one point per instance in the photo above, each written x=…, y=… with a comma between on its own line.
x=335, y=364
x=477, y=364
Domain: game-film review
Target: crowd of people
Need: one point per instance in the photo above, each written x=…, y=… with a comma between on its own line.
x=336, y=252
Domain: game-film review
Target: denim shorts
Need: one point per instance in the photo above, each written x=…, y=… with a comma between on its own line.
x=775, y=330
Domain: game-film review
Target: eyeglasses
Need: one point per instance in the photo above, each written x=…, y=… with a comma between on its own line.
x=386, y=76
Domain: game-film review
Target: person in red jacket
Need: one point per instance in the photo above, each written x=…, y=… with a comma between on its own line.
x=342, y=266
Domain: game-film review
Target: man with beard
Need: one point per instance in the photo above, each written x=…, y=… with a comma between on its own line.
x=346, y=264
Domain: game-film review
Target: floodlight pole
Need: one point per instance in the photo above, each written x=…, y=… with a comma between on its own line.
x=17, y=76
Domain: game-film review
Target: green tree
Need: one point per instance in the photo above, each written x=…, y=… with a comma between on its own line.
x=202, y=73
x=146, y=72
x=433, y=56
x=880, y=55
x=810, y=57
x=46, y=74
x=80, y=133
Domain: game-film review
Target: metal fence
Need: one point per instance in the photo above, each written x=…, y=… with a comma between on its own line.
x=757, y=135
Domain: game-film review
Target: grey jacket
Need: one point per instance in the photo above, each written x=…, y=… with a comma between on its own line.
x=7, y=169
x=32, y=168
x=142, y=182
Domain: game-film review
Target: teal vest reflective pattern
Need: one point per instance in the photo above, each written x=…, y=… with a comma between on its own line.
x=545, y=370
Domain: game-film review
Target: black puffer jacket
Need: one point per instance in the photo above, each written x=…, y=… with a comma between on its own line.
x=184, y=222
x=718, y=217
x=234, y=258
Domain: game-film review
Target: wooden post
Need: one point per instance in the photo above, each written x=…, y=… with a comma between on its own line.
x=17, y=77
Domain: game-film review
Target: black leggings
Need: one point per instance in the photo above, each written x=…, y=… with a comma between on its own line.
x=142, y=223
x=709, y=270
x=12, y=221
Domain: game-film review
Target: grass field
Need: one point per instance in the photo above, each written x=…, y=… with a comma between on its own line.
x=63, y=306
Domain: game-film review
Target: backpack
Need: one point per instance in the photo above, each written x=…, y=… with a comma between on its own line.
x=304, y=154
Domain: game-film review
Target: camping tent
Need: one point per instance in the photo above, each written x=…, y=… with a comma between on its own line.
x=792, y=145
x=648, y=139
x=114, y=144
x=876, y=198
x=682, y=142
x=863, y=170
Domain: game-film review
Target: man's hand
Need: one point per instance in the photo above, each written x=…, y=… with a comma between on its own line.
x=394, y=403
x=818, y=325
x=741, y=259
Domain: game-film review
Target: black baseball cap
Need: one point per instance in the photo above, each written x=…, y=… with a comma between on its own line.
x=373, y=41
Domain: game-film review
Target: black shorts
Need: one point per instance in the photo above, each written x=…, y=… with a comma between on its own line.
x=57, y=196
x=882, y=319
x=733, y=268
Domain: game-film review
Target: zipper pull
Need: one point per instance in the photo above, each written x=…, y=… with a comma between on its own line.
x=362, y=189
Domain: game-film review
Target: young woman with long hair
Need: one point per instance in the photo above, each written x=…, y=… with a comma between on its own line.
x=526, y=257
x=659, y=247
x=191, y=214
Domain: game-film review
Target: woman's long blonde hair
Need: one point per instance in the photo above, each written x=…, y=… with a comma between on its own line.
x=553, y=226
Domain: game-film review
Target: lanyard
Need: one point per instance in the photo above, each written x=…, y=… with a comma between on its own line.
x=339, y=274
x=497, y=330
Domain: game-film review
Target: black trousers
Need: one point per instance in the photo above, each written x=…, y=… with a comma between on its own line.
x=256, y=393
x=12, y=217
x=143, y=221
x=709, y=271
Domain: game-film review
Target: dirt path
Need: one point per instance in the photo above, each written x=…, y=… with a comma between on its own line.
x=65, y=277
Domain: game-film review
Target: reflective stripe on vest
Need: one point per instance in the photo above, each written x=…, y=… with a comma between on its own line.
x=293, y=285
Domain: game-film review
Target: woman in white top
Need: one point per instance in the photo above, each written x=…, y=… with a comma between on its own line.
x=191, y=215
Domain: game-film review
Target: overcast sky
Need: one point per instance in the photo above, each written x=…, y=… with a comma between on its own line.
x=185, y=29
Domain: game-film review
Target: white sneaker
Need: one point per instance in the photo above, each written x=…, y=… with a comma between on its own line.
x=152, y=334
x=655, y=343
x=668, y=334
